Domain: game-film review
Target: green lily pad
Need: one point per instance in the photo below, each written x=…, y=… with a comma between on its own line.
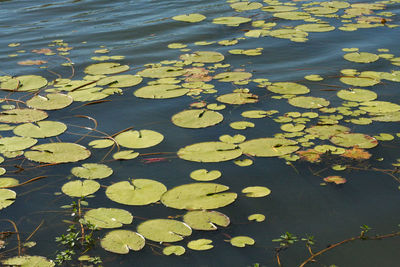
x=290, y=127
x=108, y=217
x=139, y=139
x=162, y=72
x=198, y=196
x=193, y=17
x=209, y=152
x=7, y=197
x=387, y=117
x=24, y=83
x=241, y=125
x=288, y=88
x=379, y=107
x=176, y=250
x=359, y=81
x=326, y=131
x=22, y=115
x=89, y=94
x=15, y=143
x=164, y=230
x=40, y=129
x=238, y=98
x=126, y=154
x=106, y=68
x=92, y=171
x=292, y=15
x=79, y=188
x=51, y=101
x=269, y=147
x=256, y=191
x=200, y=244
x=233, y=76
x=359, y=95
x=136, y=192
x=237, y=138
x=101, y=143
x=315, y=27
x=161, y=91
x=362, y=57
x=257, y=114
x=243, y=6
x=278, y=8
x=354, y=139
x=206, y=220
x=204, y=175
x=256, y=217
x=308, y=102
x=231, y=21
x=197, y=118
x=121, y=241
x=120, y=81
x=28, y=261
x=243, y=162
x=242, y=241
x=203, y=57
x=6, y=182
x=57, y=153
x=313, y=77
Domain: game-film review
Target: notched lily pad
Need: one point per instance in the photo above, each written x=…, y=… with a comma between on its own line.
x=57, y=153
x=206, y=220
x=108, y=217
x=139, y=139
x=354, y=140
x=92, y=171
x=256, y=217
x=209, y=152
x=197, y=118
x=22, y=115
x=238, y=98
x=203, y=57
x=193, y=17
x=40, y=129
x=80, y=188
x=121, y=241
x=164, y=230
x=200, y=244
x=161, y=91
x=256, y=191
x=7, y=197
x=288, y=88
x=24, y=83
x=269, y=147
x=308, y=102
x=176, y=250
x=106, y=68
x=51, y=101
x=28, y=261
x=242, y=241
x=204, y=175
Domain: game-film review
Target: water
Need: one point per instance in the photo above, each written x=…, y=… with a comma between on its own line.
x=140, y=31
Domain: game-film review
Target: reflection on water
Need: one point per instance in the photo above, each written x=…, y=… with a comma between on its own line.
x=136, y=33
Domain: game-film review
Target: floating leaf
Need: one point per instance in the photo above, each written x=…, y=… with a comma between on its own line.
x=359, y=81
x=292, y=15
x=243, y=163
x=206, y=220
x=106, y=68
x=22, y=115
x=40, y=129
x=362, y=57
x=288, y=88
x=258, y=114
x=24, y=83
x=308, y=102
x=139, y=139
x=354, y=139
x=57, y=153
x=242, y=241
x=315, y=27
x=121, y=241
x=120, y=81
x=379, y=107
x=335, y=179
x=15, y=143
x=269, y=147
x=197, y=118
x=313, y=77
x=164, y=230
x=6, y=182
x=126, y=154
x=80, y=188
x=198, y=196
x=193, y=17
x=7, y=197
x=101, y=143
x=359, y=95
x=209, y=152
x=200, y=244
x=51, y=101
x=356, y=153
x=161, y=91
x=289, y=127
x=237, y=138
x=231, y=21
x=326, y=131
x=233, y=76
x=136, y=192
x=243, y=6
x=108, y=217
x=92, y=171
x=238, y=98
x=256, y=191
x=203, y=57
x=28, y=261
x=204, y=175
x=256, y=217
x=241, y=125
x=176, y=250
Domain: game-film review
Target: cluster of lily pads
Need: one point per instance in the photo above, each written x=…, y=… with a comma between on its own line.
x=312, y=129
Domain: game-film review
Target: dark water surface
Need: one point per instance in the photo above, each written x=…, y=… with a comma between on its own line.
x=141, y=31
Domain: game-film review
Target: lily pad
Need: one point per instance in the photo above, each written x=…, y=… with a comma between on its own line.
x=28, y=261
x=40, y=129
x=206, y=220
x=315, y=27
x=101, y=143
x=243, y=162
x=359, y=95
x=24, y=83
x=204, y=175
x=379, y=107
x=108, y=217
x=231, y=21
x=7, y=197
x=57, y=153
x=242, y=241
x=197, y=118
x=362, y=57
x=243, y=6
x=335, y=179
x=80, y=188
x=51, y=101
x=308, y=102
x=326, y=131
x=92, y=171
x=164, y=230
x=360, y=81
x=200, y=244
x=238, y=98
x=237, y=138
x=106, y=68
x=198, y=196
x=256, y=217
x=121, y=241
x=126, y=154
x=120, y=81
x=136, y=192
x=269, y=147
x=22, y=115
x=15, y=143
x=209, y=152
x=176, y=250
x=6, y=182
x=354, y=139
x=203, y=57
x=161, y=91
x=288, y=88
x=162, y=72
x=256, y=191
x=193, y=17
x=139, y=139
x=233, y=76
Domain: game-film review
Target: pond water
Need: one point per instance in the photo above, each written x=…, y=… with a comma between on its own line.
x=265, y=60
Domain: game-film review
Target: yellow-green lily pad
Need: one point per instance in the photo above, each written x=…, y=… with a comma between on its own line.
x=359, y=95
x=206, y=220
x=209, y=152
x=354, y=139
x=108, y=217
x=204, y=175
x=92, y=171
x=139, y=139
x=256, y=191
x=231, y=21
x=161, y=91
x=308, y=102
x=379, y=107
x=269, y=147
x=193, y=17
x=80, y=188
x=197, y=118
x=164, y=230
x=256, y=217
x=22, y=115
x=57, y=153
x=51, y=101
x=237, y=138
x=200, y=244
x=7, y=197
x=106, y=68
x=125, y=154
x=24, y=83
x=28, y=261
x=176, y=250
x=288, y=88
x=203, y=57
x=40, y=129
x=15, y=143
x=242, y=241
x=361, y=57
x=235, y=76
x=241, y=125
x=118, y=81
x=121, y=241
x=162, y=72
x=238, y=98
